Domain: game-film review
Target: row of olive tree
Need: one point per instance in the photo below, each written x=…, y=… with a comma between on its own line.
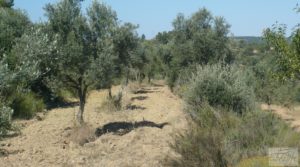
x=90, y=49
x=71, y=50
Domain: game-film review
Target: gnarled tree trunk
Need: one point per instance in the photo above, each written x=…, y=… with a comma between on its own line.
x=82, y=101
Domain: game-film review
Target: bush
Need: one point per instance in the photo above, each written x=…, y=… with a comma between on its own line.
x=219, y=138
x=203, y=143
x=27, y=105
x=199, y=147
x=226, y=87
x=257, y=132
x=5, y=120
x=180, y=86
x=269, y=89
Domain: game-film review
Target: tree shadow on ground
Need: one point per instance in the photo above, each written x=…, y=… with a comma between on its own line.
x=144, y=91
x=134, y=107
x=3, y=153
x=62, y=105
x=139, y=98
x=6, y=153
x=122, y=128
x=157, y=85
x=10, y=135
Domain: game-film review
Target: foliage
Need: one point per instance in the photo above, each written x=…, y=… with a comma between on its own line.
x=208, y=135
x=84, y=46
x=203, y=35
x=228, y=87
x=13, y=23
x=20, y=68
x=16, y=71
x=288, y=61
x=268, y=89
x=225, y=138
x=153, y=64
x=5, y=79
x=5, y=119
x=125, y=43
x=265, y=84
x=199, y=39
x=286, y=65
x=257, y=132
x=224, y=133
x=6, y=3
x=26, y=105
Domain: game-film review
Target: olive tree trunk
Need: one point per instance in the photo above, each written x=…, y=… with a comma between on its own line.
x=82, y=101
x=109, y=93
x=127, y=77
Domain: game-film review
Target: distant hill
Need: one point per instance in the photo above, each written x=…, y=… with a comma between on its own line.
x=249, y=39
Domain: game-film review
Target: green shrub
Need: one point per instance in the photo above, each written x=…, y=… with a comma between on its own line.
x=183, y=79
x=27, y=105
x=203, y=144
x=5, y=119
x=219, y=138
x=257, y=132
x=269, y=89
x=199, y=147
x=66, y=94
x=226, y=87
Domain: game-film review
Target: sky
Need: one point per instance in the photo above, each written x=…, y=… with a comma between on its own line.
x=246, y=17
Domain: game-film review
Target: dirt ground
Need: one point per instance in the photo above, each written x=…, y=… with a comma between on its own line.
x=290, y=115
x=48, y=142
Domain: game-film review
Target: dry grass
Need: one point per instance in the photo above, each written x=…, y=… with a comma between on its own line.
x=82, y=134
x=254, y=162
x=52, y=141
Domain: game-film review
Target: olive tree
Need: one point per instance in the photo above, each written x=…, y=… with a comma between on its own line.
x=13, y=23
x=199, y=39
x=125, y=44
x=6, y=3
x=84, y=46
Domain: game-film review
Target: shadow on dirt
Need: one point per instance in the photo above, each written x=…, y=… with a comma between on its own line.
x=122, y=128
x=11, y=135
x=157, y=85
x=3, y=153
x=134, y=107
x=62, y=105
x=6, y=153
x=139, y=98
x=146, y=90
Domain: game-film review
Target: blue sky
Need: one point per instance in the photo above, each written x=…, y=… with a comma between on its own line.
x=246, y=17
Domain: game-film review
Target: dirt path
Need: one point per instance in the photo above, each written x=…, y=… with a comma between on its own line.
x=47, y=142
x=291, y=115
